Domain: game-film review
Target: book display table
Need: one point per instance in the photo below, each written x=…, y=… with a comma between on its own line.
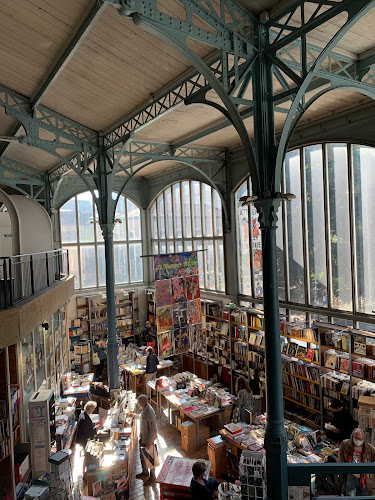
x=175, y=477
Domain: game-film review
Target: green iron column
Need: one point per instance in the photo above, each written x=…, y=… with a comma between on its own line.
x=267, y=205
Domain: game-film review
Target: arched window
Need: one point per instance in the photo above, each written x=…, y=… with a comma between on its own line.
x=328, y=230
x=188, y=216
x=81, y=234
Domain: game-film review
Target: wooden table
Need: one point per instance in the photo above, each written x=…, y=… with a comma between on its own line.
x=133, y=377
x=197, y=420
x=175, y=477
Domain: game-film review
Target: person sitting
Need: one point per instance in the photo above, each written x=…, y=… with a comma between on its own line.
x=329, y=484
x=342, y=423
x=201, y=488
x=356, y=450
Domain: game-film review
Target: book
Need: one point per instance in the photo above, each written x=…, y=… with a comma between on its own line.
x=301, y=352
x=216, y=442
x=309, y=354
x=292, y=349
x=233, y=429
x=359, y=346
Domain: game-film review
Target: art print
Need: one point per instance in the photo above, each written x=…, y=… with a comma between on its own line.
x=165, y=345
x=192, y=287
x=194, y=332
x=194, y=312
x=176, y=265
x=163, y=293
x=178, y=290
x=179, y=315
x=201, y=345
x=181, y=340
x=164, y=319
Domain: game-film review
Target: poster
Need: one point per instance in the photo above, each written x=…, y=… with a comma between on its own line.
x=256, y=238
x=177, y=297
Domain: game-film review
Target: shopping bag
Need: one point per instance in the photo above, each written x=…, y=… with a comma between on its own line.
x=95, y=359
x=151, y=457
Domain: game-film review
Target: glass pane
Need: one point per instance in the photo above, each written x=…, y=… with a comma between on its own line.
x=168, y=212
x=315, y=225
x=73, y=265
x=339, y=220
x=170, y=246
x=188, y=246
x=220, y=274
x=27, y=376
x=163, y=247
x=196, y=204
x=155, y=248
x=367, y=326
x=160, y=202
x=134, y=221
x=243, y=242
x=199, y=246
x=256, y=244
x=88, y=266
x=85, y=218
x=177, y=210
x=119, y=232
x=186, y=208
x=297, y=317
x=210, y=264
x=179, y=246
x=294, y=222
x=280, y=254
x=101, y=265
x=99, y=234
x=121, y=263
x=207, y=210
x=135, y=252
x=68, y=222
x=218, y=217
x=39, y=356
x=154, y=222
x=364, y=200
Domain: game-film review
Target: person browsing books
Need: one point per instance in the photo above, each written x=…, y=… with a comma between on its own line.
x=201, y=488
x=151, y=368
x=256, y=390
x=342, y=423
x=245, y=398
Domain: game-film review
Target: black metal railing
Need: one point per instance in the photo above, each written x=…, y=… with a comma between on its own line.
x=301, y=474
x=22, y=276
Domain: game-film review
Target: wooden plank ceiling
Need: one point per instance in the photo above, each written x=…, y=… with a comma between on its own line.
x=119, y=67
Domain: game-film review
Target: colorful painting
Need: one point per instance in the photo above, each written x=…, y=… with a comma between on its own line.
x=179, y=315
x=178, y=290
x=194, y=332
x=192, y=287
x=163, y=293
x=175, y=265
x=165, y=343
x=201, y=349
x=181, y=340
x=164, y=319
x=194, y=312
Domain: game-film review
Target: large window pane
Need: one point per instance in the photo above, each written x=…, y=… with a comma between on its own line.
x=207, y=210
x=364, y=199
x=220, y=275
x=168, y=212
x=85, y=218
x=198, y=245
x=154, y=222
x=163, y=247
x=294, y=222
x=186, y=208
x=161, y=221
x=315, y=225
x=121, y=263
x=73, y=265
x=210, y=264
x=218, y=217
x=179, y=246
x=196, y=205
x=188, y=245
x=134, y=220
x=88, y=266
x=135, y=252
x=170, y=246
x=101, y=265
x=119, y=232
x=68, y=222
x=177, y=210
x=243, y=241
x=340, y=228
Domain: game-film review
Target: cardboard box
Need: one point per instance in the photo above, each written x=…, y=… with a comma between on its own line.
x=366, y=401
x=21, y=466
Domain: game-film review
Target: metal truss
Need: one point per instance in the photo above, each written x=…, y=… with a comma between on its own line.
x=25, y=179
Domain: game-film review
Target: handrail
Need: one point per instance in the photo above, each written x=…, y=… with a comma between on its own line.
x=300, y=474
x=34, y=253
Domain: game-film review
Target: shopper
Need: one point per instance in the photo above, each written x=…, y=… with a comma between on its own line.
x=255, y=387
x=342, y=423
x=356, y=450
x=201, y=488
x=146, y=332
x=329, y=484
x=245, y=398
x=151, y=368
x=99, y=349
x=147, y=436
x=86, y=429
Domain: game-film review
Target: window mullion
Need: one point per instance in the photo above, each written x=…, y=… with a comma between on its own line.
x=216, y=277
x=78, y=244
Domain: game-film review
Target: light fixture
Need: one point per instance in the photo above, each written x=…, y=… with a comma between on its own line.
x=118, y=220
x=248, y=199
x=286, y=196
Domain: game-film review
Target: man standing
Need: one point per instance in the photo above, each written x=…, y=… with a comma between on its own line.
x=151, y=368
x=146, y=332
x=147, y=436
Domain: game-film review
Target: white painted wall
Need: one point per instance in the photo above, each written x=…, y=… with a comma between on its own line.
x=5, y=230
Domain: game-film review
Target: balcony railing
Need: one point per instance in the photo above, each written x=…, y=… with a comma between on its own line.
x=22, y=276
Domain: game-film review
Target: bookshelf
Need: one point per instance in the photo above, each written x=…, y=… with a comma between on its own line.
x=150, y=305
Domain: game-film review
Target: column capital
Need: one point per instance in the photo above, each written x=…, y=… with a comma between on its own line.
x=267, y=210
x=107, y=229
